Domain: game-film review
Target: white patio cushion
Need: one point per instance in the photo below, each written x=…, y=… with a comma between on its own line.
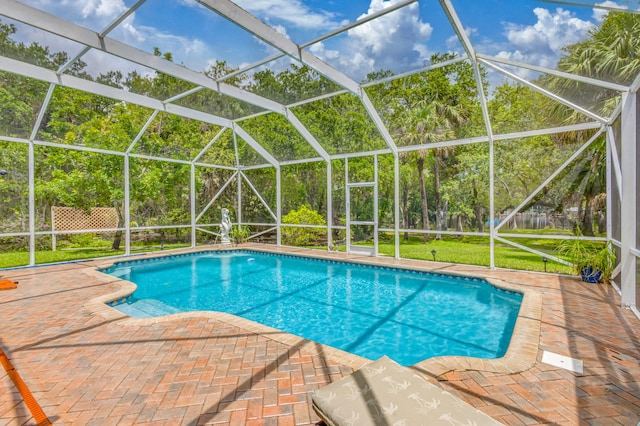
x=385, y=393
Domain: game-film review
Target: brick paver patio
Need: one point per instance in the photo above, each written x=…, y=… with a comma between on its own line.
x=88, y=364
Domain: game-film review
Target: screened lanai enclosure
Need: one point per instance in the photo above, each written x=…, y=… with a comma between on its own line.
x=473, y=132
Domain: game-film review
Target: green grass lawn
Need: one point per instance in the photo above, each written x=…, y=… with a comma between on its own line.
x=474, y=250
x=21, y=258
x=467, y=250
x=474, y=253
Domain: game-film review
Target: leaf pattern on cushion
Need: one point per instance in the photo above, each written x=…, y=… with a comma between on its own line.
x=424, y=406
x=326, y=398
x=390, y=410
x=395, y=387
x=372, y=371
x=353, y=391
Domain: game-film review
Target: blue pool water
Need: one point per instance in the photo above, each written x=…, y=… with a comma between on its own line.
x=366, y=310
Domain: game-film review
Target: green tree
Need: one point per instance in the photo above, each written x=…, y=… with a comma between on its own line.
x=297, y=236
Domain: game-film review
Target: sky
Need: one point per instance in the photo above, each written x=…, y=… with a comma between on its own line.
x=528, y=31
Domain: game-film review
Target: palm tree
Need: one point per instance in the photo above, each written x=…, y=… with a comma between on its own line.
x=610, y=53
x=428, y=122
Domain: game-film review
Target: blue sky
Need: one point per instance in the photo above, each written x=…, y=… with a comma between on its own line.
x=530, y=31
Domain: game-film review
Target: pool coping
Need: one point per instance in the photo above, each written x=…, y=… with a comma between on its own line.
x=520, y=356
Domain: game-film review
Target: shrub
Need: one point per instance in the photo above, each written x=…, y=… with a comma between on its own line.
x=296, y=236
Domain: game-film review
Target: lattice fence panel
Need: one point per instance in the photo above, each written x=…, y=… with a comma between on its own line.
x=72, y=219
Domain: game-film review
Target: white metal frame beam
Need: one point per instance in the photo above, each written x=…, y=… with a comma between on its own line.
x=52, y=24
x=104, y=32
x=215, y=197
x=601, y=6
x=253, y=25
x=295, y=122
x=254, y=144
x=574, y=77
x=377, y=120
x=629, y=205
x=426, y=68
x=270, y=36
x=255, y=191
x=49, y=76
x=333, y=33
x=209, y=145
x=615, y=159
x=142, y=131
x=545, y=92
x=548, y=180
x=256, y=27
x=455, y=22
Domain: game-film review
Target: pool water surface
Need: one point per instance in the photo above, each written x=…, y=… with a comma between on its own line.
x=366, y=310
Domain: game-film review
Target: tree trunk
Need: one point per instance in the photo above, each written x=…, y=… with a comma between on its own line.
x=587, y=219
x=423, y=195
x=602, y=222
x=459, y=223
x=477, y=211
x=117, y=239
x=436, y=190
x=446, y=221
x=405, y=210
x=477, y=208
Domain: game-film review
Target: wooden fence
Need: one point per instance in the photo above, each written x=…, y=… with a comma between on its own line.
x=72, y=219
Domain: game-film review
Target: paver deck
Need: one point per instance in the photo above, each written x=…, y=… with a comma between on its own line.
x=86, y=363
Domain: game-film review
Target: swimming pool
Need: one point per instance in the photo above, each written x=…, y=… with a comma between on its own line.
x=363, y=309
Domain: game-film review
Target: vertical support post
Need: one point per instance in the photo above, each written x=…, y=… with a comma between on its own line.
x=347, y=205
x=396, y=199
x=329, y=205
x=54, y=241
x=610, y=140
x=127, y=205
x=32, y=176
x=375, y=205
x=628, y=203
x=192, y=196
x=278, y=206
x=239, y=179
x=32, y=205
x=492, y=215
x=239, y=211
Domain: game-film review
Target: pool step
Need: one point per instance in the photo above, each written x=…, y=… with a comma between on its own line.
x=146, y=308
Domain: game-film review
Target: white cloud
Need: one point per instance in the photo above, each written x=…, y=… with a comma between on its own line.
x=396, y=41
x=282, y=30
x=292, y=11
x=94, y=14
x=107, y=9
x=99, y=62
x=319, y=50
x=453, y=42
x=600, y=14
x=542, y=43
